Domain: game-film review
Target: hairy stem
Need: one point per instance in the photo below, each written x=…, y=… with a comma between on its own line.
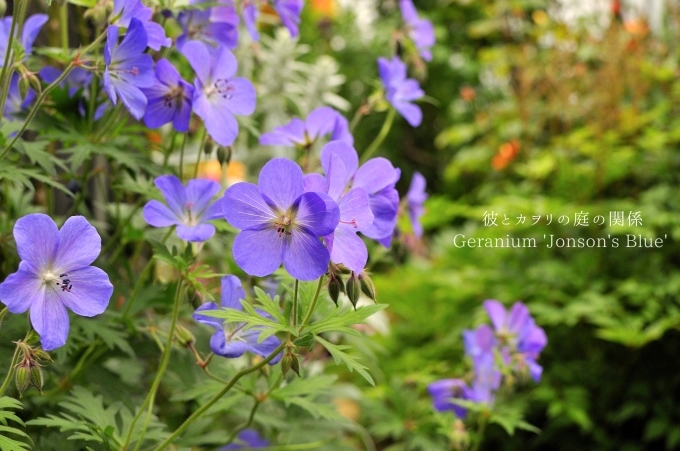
x=6, y=73
x=387, y=125
x=165, y=359
x=10, y=371
x=312, y=306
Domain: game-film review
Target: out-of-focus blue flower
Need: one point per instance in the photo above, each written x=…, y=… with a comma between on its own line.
x=321, y=121
x=216, y=26
x=355, y=212
x=128, y=68
x=280, y=223
x=30, y=31
x=288, y=11
x=246, y=439
x=231, y=340
x=419, y=30
x=401, y=91
x=169, y=99
x=444, y=391
x=135, y=9
x=76, y=80
x=188, y=208
x=518, y=335
x=415, y=201
x=15, y=104
x=378, y=178
x=54, y=274
x=219, y=95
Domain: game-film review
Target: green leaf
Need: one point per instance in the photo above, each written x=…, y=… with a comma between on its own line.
x=10, y=443
x=339, y=355
x=340, y=320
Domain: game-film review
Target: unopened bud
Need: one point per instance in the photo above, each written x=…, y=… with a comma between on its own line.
x=3, y=7
x=37, y=379
x=367, y=285
x=22, y=378
x=224, y=155
x=208, y=146
x=34, y=81
x=335, y=287
x=41, y=355
x=24, y=86
x=353, y=289
x=32, y=338
x=183, y=336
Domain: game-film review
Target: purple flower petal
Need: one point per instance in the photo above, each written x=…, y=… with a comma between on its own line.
x=348, y=249
x=355, y=209
x=496, y=312
x=305, y=257
x=250, y=13
x=412, y=113
x=375, y=175
x=131, y=96
x=199, y=58
x=173, y=191
x=208, y=320
x=384, y=206
x=224, y=65
x=196, y=233
x=232, y=292
x=266, y=347
x=50, y=319
x=315, y=183
x=79, y=244
x=244, y=207
x=336, y=177
x=37, y=239
x=517, y=317
x=219, y=121
x=230, y=349
x=280, y=181
x=21, y=289
x=31, y=29
x=317, y=213
x=241, y=100
x=90, y=292
x=156, y=36
x=345, y=151
x=320, y=121
x=444, y=390
x=259, y=252
x=290, y=134
x=289, y=12
x=199, y=194
x=158, y=215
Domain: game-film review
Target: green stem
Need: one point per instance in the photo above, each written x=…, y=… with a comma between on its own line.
x=63, y=23
x=389, y=119
x=357, y=118
x=43, y=95
x=295, y=302
x=149, y=401
x=181, y=157
x=10, y=372
x=194, y=416
x=200, y=152
x=171, y=149
x=140, y=280
x=480, y=433
x=4, y=75
x=312, y=307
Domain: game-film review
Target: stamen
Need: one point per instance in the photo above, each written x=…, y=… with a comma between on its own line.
x=222, y=86
x=65, y=284
x=352, y=222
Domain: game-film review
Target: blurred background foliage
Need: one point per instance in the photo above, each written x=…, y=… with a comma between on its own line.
x=531, y=116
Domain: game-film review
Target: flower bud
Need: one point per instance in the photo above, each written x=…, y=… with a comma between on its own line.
x=3, y=7
x=353, y=289
x=367, y=285
x=23, y=86
x=208, y=146
x=34, y=81
x=224, y=155
x=32, y=338
x=37, y=379
x=41, y=355
x=183, y=336
x=335, y=287
x=22, y=378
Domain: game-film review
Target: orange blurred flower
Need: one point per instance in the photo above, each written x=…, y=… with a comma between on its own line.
x=506, y=153
x=324, y=8
x=468, y=93
x=212, y=170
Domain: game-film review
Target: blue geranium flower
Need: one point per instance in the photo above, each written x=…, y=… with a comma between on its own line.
x=54, y=274
x=128, y=68
x=230, y=339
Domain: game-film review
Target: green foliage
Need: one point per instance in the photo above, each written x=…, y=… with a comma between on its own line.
x=89, y=420
x=9, y=443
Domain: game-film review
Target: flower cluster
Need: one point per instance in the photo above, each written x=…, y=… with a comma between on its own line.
x=513, y=344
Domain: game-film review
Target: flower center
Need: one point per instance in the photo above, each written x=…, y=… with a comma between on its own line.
x=284, y=224
x=176, y=94
x=62, y=281
x=223, y=87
